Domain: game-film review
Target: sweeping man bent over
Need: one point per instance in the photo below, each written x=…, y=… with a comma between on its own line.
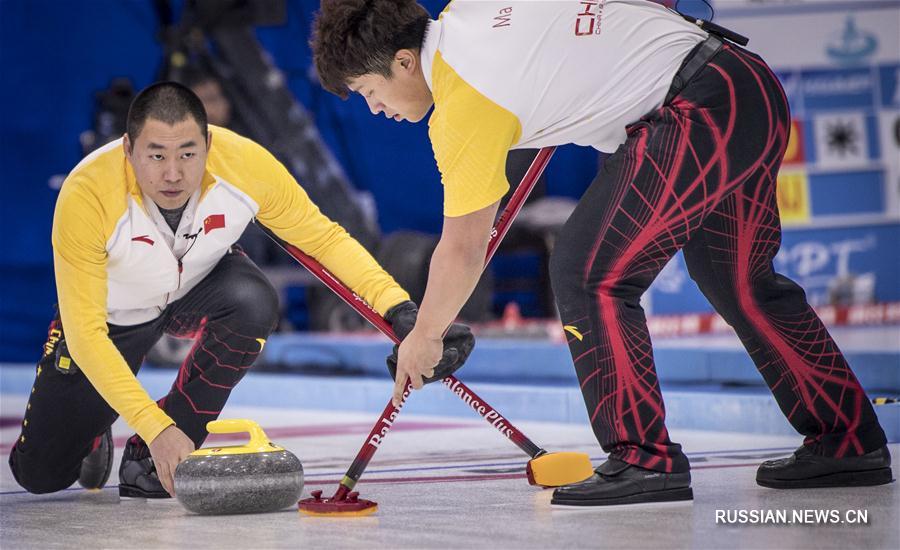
x=696, y=128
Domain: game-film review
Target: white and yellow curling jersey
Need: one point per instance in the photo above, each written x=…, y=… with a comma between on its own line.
x=529, y=74
x=118, y=262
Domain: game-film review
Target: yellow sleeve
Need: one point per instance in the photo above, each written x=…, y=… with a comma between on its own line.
x=79, y=258
x=286, y=209
x=471, y=137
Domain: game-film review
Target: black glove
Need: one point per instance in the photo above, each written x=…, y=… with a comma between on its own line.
x=458, y=342
x=402, y=318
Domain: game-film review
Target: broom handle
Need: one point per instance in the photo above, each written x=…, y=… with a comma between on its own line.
x=388, y=416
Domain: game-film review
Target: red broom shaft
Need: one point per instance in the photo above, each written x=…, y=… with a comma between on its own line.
x=517, y=200
x=385, y=421
x=388, y=416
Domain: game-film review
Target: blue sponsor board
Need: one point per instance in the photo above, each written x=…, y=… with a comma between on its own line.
x=674, y=292
x=793, y=88
x=852, y=45
x=845, y=141
x=830, y=89
x=866, y=256
x=843, y=193
x=809, y=147
x=873, y=137
x=816, y=257
x=889, y=77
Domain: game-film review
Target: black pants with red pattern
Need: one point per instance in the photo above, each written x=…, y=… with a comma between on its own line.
x=698, y=175
x=229, y=314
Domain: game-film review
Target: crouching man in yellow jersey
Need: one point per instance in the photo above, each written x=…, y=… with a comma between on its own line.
x=143, y=238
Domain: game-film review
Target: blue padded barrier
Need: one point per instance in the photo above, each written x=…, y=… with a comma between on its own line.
x=700, y=407
x=529, y=361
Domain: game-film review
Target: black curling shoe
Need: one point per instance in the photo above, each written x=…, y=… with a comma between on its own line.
x=96, y=467
x=805, y=469
x=137, y=473
x=615, y=482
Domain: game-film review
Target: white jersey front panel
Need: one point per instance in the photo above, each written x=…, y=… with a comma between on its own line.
x=570, y=71
x=143, y=269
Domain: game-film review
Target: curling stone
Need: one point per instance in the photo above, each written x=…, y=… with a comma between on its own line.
x=243, y=479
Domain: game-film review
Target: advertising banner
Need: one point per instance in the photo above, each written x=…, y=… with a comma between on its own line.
x=839, y=64
x=843, y=265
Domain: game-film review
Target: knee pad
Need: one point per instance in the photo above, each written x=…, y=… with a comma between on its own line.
x=36, y=478
x=257, y=301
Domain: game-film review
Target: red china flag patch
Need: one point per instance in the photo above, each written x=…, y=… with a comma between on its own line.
x=213, y=221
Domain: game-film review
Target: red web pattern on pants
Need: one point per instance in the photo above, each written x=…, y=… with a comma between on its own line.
x=689, y=176
x=217, y=361
x=680, y=184
x=797, y=347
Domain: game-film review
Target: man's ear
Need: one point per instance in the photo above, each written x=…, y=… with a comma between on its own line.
x=408, y=59
x=208, y=140
x=127, y=145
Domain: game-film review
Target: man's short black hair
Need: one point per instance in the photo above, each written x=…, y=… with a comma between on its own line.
x=168, y=102
x=356, y=37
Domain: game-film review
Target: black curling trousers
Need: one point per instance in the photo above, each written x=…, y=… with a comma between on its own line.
x=699, y=174
x=230, y=313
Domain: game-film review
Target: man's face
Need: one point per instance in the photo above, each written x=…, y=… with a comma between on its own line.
x=404, y=96
x=168, y=161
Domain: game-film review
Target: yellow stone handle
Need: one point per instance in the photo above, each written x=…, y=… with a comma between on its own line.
x=258, y=437
x=259, y=442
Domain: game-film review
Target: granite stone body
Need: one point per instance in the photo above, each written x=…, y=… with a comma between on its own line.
x=239, y=483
